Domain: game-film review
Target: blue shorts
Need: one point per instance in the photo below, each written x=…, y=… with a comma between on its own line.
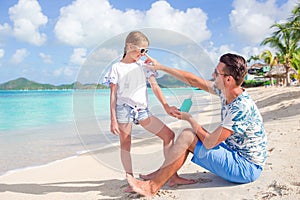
x=126, y=114
x=226, y=163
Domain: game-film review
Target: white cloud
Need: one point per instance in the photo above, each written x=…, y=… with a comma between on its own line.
x=88, y=22
x=191, y=23
x=2, y=52
x=249, y=51
x=251, y=20
x=79, y=56
x=284, y=11
x=96, y=64
x=5, y=29
x=64, y=71
x=216, y=52
x=19, y=56
x=46, y=58
x=27, y=18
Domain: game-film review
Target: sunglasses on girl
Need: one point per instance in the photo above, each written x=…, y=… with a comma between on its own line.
x=142, y=50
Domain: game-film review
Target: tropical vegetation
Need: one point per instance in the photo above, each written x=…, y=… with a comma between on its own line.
x=285, y=41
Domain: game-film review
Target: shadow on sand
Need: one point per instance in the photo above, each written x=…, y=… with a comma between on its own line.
x=112, y=189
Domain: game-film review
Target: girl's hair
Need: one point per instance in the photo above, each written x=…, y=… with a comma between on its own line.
x=136, y=38
x=235, y=66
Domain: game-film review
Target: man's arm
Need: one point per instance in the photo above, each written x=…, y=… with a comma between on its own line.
x=183, y=76
x=189, y=78
x=209, y=140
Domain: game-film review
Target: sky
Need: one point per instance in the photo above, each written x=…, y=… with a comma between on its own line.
x=53, y=41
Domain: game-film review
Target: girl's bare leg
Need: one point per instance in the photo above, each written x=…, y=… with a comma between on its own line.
x=125, y=144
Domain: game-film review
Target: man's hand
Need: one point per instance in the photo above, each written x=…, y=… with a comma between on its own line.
x=183, y=116
x=152, y=63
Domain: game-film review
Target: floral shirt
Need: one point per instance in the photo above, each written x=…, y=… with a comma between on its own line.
x=243, y=118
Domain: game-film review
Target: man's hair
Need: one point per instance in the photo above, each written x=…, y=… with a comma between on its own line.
x=236, y=67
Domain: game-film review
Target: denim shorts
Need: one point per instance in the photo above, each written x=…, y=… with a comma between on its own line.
x=226, y=163
x=126, y=114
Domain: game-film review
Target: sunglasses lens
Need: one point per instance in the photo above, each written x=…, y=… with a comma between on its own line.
x=144, y=50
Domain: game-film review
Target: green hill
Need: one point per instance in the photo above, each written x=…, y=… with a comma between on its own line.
x=169, y=81
x=24, y=84
x=166, y=81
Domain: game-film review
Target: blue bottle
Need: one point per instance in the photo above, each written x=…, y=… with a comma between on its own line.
x=186, y=105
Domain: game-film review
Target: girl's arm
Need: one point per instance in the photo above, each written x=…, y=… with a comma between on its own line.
x=159, y=95
x=114, y=128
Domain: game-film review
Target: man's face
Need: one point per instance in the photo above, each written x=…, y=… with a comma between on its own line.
x=219, y=75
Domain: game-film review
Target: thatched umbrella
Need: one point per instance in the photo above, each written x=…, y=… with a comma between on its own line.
x=279, y=72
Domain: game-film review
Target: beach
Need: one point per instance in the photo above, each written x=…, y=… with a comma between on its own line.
x=98, y=174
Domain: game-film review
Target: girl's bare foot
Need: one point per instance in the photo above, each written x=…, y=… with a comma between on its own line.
x=142, y=187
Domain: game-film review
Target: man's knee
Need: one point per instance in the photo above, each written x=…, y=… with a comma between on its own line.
x=187, y=136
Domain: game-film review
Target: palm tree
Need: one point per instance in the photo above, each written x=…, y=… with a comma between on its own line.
x=269, y=59
x=254, y=58
x=296, y=63
x=285, y=39
x=295, y=26
x=295, y=20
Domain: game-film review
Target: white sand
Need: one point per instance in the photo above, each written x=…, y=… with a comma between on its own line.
x=87, y=177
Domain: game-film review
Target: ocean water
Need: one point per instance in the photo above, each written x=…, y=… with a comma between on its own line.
x=39, y=127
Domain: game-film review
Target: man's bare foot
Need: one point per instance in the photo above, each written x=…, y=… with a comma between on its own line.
x=142, y=187
x=173, y=181
x=129, y=190
x=148, y=176
x=176, y=180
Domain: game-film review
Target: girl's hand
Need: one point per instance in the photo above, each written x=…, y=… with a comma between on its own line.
x=114, y=128
x=172, y=111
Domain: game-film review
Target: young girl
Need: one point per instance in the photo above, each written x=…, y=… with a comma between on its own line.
x=129, y=100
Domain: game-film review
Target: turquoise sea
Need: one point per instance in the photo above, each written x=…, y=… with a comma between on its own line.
x=39, y=127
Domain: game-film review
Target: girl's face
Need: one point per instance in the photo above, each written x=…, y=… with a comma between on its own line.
x=137, y=51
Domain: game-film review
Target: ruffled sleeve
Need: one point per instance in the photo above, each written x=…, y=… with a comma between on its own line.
x=148, y=71
x=111, y=76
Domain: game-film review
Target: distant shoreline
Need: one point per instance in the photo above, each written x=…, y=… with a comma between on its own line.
x=22, y=83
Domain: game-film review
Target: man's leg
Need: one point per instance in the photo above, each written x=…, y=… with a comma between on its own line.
x=226, y=163
x=176, y=157
x=157, y=127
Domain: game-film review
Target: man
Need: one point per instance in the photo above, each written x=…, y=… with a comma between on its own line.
x=235, y=150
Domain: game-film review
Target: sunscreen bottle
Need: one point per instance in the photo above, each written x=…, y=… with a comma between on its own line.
x=186, y=105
